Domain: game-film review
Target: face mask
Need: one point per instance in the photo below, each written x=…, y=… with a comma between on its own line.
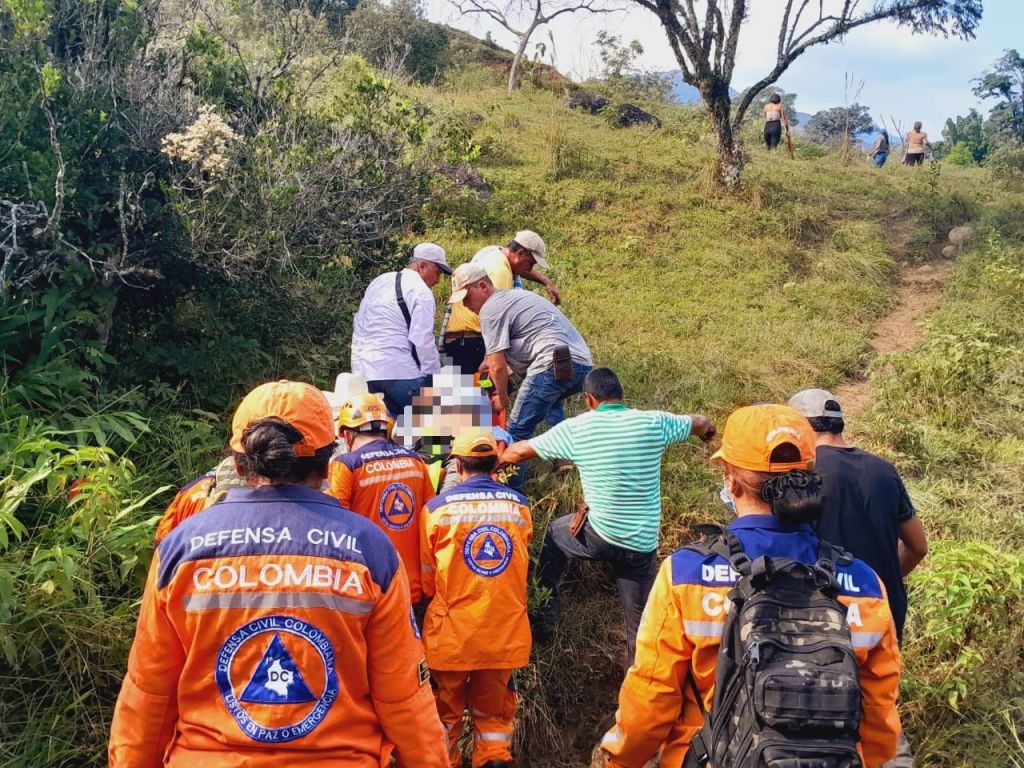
x=726, y=496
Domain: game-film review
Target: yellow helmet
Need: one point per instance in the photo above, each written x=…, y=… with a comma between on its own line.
x=364, y=412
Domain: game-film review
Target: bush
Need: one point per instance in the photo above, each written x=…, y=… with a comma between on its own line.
x=959, y=154
x=397, y=37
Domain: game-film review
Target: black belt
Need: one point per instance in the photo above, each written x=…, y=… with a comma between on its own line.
x=452, y=335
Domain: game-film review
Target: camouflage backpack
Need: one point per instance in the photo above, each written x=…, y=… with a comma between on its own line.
x=787, y=682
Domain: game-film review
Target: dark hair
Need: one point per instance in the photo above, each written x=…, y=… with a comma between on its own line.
x=917, y=125
x=603, y=384
x=775, y=98
x=269, y=445
x=795, y=497
x=477, y=465
x=830, y=424
x=514, y=246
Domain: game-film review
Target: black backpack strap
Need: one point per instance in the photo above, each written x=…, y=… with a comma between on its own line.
x=699, y=753
x=405, y=313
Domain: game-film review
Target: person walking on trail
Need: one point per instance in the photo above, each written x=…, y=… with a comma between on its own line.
x=275, y=627
x=527, y=334
x=393, y=345
x=766, y=453
x=867, y=510
x=916, y=143
x=476, y=631
x=462, y=340
x=618, y=451
x=381, y=481
x=880, y=152
x=199, y=494
x=774, y=120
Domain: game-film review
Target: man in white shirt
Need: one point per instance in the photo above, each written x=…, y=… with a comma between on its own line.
x=393, y=346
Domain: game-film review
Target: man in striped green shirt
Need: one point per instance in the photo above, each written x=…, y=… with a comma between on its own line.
x=618, y=452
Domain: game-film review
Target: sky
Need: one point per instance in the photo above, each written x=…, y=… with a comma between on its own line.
x=905, y=77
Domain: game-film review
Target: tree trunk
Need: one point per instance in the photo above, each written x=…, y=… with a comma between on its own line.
x=730, y=159
x=513, y=75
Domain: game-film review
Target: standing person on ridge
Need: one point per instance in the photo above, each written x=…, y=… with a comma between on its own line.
x=766, y=452
x=381, y=481
x=867, y=511
x=880, y=152
x=275, y=627
x=476, y=632
x=393, y=346
x=916, y=143
x=527, y=334
x=619, y=452
x=774, y=119
x=523, y=257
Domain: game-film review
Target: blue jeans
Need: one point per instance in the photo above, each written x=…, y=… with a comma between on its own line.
x=540, y=398
x=880, y=158
x=397, y=393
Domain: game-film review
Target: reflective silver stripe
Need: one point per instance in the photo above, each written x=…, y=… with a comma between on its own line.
x=704, y=628
x=866, y=639
x=478, y=713
x=491, y=736
x=221, y=600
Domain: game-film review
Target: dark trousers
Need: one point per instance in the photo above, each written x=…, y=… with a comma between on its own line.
x=466, y=351
x=634, y=572
x=772, y=133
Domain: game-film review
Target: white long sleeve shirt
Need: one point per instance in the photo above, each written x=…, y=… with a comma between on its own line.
x=380, y=338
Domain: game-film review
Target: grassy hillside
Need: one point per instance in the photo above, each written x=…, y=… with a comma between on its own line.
x=702, y=302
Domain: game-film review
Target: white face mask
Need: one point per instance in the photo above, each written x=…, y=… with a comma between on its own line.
x=726, y=496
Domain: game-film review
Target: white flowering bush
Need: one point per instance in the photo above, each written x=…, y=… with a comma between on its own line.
x=204, y=145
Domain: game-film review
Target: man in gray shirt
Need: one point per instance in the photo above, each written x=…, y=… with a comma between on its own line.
x=526, y=333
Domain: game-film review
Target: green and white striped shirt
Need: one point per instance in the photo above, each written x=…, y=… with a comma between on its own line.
x=618, y=452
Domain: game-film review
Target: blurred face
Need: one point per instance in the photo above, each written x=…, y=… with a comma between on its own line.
x=476, y=295
x=521, y=261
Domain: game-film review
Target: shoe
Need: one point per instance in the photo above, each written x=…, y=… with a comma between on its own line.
x=562, y=466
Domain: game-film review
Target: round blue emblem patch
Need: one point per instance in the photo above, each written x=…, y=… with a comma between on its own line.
x=264, y=672
x=396, y=508
x=487, y=550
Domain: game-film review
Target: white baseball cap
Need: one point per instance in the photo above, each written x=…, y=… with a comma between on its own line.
x=433, y=253
x=465, y=275
x=533, y=242
x=816, y=404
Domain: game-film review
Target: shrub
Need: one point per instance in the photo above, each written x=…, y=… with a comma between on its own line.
x=397, y=37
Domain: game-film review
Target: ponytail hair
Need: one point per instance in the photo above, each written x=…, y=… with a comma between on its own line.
x=269, y=445
x=794, y=497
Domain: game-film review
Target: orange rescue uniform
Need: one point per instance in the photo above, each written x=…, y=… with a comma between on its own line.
x=681, y=631
x=190, y=499
x=389, y=485
x=476, y=632
x=276, y=629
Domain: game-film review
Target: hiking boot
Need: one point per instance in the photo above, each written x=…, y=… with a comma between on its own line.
x=562, y=466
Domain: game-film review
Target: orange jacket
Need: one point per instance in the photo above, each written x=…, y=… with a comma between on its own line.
x=474, y=561
x=190, y=499
x=276, y=630
x=389, y=485
x=681, y=630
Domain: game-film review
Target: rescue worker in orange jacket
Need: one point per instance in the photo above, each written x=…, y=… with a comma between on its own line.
x=202, y=493
x=682, y=624
x=380, y=480
x=276, y=627
x=476, y=631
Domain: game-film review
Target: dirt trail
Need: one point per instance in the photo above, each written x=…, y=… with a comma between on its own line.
x=919, y=293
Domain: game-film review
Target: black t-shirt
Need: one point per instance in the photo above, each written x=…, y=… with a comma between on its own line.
x=865, y=505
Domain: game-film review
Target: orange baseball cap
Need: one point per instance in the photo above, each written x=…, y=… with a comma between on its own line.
x=301, y=405
x=753, y=433
x=475, y=443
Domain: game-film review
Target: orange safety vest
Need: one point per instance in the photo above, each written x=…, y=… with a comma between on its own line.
x=681, y=630
x=276, y=630
x=474, y=562
x=190, y=499
x=389, y=485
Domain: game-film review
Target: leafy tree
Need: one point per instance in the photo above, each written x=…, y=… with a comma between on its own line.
x=705, y=41
x=621, y=74
x=966, y=134
x=1005, y=83
x=398, y=35
x=831, y=126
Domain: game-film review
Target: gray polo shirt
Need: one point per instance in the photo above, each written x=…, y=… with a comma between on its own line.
x=527, y=328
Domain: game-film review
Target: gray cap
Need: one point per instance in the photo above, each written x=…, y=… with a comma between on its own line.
x=816, y=403
x=433, y=253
